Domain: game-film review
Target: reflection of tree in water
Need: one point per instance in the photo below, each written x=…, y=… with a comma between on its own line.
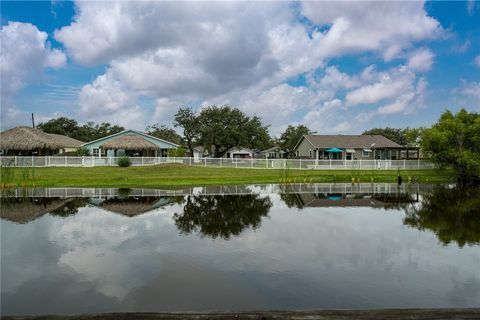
x=452, y=214
x=70, y=208
x=222, y=216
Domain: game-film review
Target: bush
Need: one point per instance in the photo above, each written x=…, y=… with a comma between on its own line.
x=178, y=152
x=124, y=162
x=82, y=151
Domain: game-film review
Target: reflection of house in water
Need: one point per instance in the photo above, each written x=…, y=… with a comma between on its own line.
x=132, y=206
x=378, y=200
x=23, y=210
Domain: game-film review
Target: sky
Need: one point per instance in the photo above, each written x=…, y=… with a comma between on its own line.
x=337, y=67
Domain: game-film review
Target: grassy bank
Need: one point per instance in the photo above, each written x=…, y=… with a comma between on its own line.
x=179, y=175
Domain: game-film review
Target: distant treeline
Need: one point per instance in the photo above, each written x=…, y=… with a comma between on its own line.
x=453, y=141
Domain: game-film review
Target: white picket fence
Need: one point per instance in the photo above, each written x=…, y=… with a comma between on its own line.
x=254, y=163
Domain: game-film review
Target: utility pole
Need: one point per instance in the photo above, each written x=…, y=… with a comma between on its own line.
x=33, y=121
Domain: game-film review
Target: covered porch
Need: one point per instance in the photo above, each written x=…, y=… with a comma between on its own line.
x=129, y=145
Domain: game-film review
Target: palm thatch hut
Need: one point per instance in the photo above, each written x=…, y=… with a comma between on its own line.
x=131, y=145
x=26, y=141
x=69, y=145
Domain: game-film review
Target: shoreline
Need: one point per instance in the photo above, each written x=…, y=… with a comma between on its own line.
x=373, y=314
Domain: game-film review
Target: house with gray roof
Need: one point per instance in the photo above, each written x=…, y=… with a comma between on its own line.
x=348, y=147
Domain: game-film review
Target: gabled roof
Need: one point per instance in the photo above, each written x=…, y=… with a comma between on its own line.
x=273, y=149
x=349, y=141
x=134, y=132
x=66, y=141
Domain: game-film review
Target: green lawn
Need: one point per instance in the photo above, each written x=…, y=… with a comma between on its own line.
x=179, y=175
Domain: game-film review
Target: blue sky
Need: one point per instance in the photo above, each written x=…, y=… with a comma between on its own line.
x=337, y=67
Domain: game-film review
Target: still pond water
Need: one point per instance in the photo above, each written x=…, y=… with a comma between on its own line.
x=314, y=246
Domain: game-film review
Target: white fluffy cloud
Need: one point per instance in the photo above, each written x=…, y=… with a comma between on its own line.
x=476, y=61
x=240, y=53
x=25, y=54
x=387, y=27
x=421, y=60
x=469, y=89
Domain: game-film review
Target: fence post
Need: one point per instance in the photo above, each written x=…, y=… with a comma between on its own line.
x=252, y=162
x=15, y=161
x=205, y=159
x=236, y=163
x=404, y=163
x=32, y=161
x=93, y=161
x=142, y=161
x=65, y=161
x=221, y=162
x=330, y=161
x=190, y=161
x=300, y=163
x=83, y=161
x=45, y=163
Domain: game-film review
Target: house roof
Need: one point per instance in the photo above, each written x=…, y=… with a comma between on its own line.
x=274, y=148
x=129, y=142
x=26, y=138
x=349, y=141
x=66, y=141
x=131, y=132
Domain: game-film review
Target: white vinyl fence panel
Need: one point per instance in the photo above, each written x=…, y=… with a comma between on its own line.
x=89, y=161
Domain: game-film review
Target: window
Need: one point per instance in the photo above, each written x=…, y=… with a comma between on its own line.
x=95, y=152
x=366, y=153
x=310, y=153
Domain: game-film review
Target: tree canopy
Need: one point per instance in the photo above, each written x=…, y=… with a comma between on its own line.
x=221, y=128
x=188, y=120
x=87, y=132
x=164, y=132
x=290, y=137
x=454, y=141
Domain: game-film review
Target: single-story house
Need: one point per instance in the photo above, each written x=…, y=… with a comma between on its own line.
x=239, y=153
x=27, y=141
x=348, y=147
x=273, y=153
x=131, y=143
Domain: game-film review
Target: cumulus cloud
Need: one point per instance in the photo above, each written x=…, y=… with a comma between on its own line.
x=476, y=61
x=387, y=27
x=421, y=60
x=387, y=85
x=26, y=53
x=240, y=53
x=469, y=89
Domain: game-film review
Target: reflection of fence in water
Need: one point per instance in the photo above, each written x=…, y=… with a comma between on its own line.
x=314, y=188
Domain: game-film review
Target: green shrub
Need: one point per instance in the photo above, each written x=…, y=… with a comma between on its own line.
x=178, y=152
x=124, y=162
x=82, y=151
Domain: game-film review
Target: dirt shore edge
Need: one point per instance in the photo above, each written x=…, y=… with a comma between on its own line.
x=387, y=314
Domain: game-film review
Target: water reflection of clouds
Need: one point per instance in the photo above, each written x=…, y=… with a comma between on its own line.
x=312, y=258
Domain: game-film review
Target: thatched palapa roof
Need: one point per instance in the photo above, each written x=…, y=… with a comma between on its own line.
x=26, y=138
x=129, y=142
x=130, y=207
x=66, y=141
